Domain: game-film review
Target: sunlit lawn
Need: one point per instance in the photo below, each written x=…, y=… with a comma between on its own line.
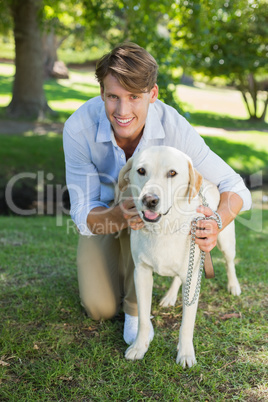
x=65, y=96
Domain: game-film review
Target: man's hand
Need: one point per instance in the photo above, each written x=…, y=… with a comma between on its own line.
x=230, y=205
x=207, y=231
x=131, y=214
x=102, y=220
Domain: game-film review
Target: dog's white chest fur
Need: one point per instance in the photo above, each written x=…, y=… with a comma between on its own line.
x=171, y=261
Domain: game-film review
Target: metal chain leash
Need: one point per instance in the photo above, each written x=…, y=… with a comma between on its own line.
x=186, y=293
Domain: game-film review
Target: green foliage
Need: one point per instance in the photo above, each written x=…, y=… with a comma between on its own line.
x=6, y=22
x=145, y=23
x=224, y=38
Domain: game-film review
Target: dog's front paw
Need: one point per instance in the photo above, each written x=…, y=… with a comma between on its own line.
x=186, y=356
x=135, y=352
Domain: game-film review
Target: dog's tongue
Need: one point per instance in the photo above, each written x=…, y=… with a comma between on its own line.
x=150, y=215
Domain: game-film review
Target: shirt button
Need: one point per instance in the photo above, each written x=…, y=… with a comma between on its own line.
x=122, y=156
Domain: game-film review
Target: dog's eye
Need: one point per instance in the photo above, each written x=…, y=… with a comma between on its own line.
x=141, y=171
x=171, y=173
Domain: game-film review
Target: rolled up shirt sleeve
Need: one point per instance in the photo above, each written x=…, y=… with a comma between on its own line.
x=212, y=167
x=224, y=177
x=82, y=180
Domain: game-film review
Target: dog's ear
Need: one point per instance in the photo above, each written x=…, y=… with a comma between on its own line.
x=123, y=178
x=195, y=182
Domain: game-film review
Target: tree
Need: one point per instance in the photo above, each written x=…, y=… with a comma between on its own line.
x=141, y=21
x=60, y=20
x=28, y=98
x=29, y=22
x=226, y=38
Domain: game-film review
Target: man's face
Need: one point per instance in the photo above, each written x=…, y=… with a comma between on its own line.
x=126, y=111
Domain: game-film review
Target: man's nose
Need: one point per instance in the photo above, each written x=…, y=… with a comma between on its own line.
x=123, y=108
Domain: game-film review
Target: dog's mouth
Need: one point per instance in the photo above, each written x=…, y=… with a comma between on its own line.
x=152, y=216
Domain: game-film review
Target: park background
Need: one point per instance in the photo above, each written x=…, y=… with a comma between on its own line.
x=212, y=58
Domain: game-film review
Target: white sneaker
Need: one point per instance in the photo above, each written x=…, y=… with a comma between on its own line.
x=131, y=329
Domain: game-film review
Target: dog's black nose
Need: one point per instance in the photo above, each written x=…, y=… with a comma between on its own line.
x=150, y=200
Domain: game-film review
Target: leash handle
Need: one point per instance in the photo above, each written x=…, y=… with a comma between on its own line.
x=205, y=258
x=208, y=267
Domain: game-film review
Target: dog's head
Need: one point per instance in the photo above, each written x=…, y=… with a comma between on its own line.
x=160, y=178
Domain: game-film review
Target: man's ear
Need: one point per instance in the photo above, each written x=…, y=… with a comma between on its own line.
x=195, y=182
x=154, y=93
x=123, y=178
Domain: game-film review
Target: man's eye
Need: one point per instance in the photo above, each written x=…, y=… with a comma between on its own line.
x=172, y=173
x=141, y=171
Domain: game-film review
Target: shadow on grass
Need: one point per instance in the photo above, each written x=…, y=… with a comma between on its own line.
x=6, y=85
x=227, y=122
x=237, y=154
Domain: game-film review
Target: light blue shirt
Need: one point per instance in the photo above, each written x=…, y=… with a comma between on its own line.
x=93, y=159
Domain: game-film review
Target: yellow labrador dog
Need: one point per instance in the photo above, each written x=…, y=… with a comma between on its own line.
x=165, y=189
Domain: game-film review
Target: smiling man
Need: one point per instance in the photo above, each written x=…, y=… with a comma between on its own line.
x=126, y=111
x=98, y=140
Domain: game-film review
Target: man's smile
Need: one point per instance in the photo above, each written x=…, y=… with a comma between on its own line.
x=123, y=122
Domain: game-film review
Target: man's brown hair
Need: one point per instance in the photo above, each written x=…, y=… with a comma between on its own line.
x=131, y=65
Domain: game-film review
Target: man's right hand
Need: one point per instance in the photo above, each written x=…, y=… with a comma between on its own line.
x=131, y=214
x=103, y=220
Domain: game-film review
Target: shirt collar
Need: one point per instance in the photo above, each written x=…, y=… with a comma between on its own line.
x=153, y=127
x=104, y=129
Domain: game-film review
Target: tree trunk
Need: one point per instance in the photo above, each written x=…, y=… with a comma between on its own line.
x=28, y=99
x=264, y=108
x=52, y=66
x=243, y=92
x=253, y=91
x=50, y=56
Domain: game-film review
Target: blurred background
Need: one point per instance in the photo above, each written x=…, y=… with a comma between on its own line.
x=212, y=60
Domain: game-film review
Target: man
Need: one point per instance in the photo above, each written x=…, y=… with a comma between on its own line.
x=98, y=139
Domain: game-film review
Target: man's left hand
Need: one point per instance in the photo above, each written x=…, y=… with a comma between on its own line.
x=207, y=231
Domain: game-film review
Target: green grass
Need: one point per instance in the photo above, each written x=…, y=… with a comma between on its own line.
x=50, y=351
x=245, y=153
x=210, y=119
x=64, y=96
x=7, y=48
x=46, y=153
